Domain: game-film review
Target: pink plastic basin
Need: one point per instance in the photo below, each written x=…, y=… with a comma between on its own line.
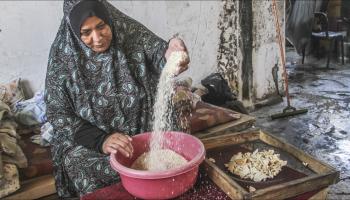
x=161, y=184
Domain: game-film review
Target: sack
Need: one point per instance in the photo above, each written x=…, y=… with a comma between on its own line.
x=218, y=90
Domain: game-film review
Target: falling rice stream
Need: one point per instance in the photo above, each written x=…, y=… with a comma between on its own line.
x=159, y=158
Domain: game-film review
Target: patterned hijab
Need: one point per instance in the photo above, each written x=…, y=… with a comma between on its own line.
x=85, y=9
x=113, y=90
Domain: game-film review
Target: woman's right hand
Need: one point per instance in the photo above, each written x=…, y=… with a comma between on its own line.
x=176, y=44
x=118, y=142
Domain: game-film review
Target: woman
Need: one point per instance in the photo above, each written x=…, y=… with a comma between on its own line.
x=101, y=81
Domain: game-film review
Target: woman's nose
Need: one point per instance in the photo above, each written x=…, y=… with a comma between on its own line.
x=96, y=36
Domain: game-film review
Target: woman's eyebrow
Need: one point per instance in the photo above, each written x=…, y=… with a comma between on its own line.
x=85, y=30
x=101, y=23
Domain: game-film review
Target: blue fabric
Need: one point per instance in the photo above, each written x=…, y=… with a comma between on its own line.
x=32, y=111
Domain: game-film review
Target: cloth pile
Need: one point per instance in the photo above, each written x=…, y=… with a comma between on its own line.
x=31, y=113
x=11, y=155
x=18, y=116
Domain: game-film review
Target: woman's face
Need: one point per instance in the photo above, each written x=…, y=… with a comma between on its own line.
x=96, y=34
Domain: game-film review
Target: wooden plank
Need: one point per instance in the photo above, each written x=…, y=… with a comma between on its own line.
x=225, y=183
x=246, y=121
x=54, y=197
x=236, y=114
x=321, y=195
x=294, y=188
x=229, y=139
x=315, y=165
x=35, y=188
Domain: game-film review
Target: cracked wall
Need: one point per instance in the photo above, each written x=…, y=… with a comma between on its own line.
x=229, y=53
x=248, y=48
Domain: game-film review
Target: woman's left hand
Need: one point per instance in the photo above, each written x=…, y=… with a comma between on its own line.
x=176, y=44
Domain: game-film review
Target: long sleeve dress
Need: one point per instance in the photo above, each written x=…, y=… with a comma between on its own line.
x=111, y=91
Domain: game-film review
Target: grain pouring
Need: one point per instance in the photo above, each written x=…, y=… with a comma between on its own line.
x=159, y=158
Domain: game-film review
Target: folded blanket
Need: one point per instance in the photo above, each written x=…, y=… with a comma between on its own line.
x=19, y=159
x=4, y=110
x=11, y=93
x=10, y=179
x=11, y=151
x=8, y=144
x=2, y=180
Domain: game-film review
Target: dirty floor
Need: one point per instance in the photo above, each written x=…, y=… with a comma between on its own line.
x=324, y=131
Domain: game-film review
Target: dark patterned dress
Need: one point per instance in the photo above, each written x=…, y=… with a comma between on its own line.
x=113, y=91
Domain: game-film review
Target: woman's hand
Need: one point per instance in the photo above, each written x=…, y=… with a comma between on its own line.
x=176, y=44
x=118, y=142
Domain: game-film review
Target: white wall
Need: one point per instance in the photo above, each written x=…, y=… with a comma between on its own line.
x=195, y=21
x=266, y=51
x=29, y=27
x=27, y=31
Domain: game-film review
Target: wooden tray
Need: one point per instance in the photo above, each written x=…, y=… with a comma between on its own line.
x=302, y=174
x=244, y=122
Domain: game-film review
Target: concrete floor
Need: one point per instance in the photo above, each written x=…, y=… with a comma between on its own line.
x=324, y=131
